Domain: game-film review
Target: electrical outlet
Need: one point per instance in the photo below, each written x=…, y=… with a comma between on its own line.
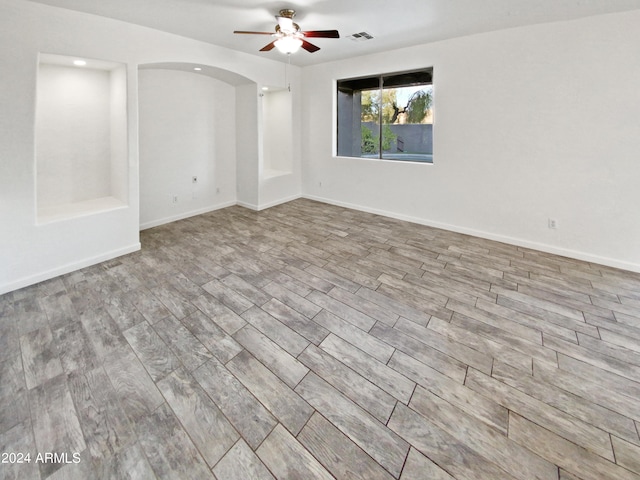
x=553, y=224
x=175, y=199
x=217, y=189
x=194, y=179
x=320, y=184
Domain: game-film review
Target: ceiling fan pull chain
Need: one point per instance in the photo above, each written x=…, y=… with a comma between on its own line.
x=286, y=72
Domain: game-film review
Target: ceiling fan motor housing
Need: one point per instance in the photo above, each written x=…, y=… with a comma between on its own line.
x=287, y=13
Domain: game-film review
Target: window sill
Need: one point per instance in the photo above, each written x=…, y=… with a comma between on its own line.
x=389, y=160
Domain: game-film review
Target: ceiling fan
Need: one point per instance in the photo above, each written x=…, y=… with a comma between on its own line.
x=288, y=36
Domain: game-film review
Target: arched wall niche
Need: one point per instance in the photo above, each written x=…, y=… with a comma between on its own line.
x=211, y=138
x=199, y=140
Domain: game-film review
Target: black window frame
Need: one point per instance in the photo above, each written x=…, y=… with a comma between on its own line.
x=349, y=141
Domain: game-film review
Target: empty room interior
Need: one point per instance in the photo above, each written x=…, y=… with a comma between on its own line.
x=320, y=240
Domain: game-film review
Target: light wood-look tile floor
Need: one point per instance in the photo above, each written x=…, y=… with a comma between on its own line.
x=311, y=341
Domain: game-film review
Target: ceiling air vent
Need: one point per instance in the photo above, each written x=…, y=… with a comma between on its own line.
x=360, y=37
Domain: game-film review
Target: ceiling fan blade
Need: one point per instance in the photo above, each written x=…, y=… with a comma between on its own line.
x=322, y=34
x=309, y=47
x=268, y=47
x=252, y=33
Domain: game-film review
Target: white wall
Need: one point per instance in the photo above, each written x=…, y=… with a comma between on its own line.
x=277, y=123
x=247, y=146
x=29, y=252
x=187, y=129
x=530, y=123
x=119, y=154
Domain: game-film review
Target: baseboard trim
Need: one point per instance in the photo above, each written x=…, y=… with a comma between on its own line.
x=68, y=268
x=519, y=242
x=264, y=206
x=279, y=202
x=250, y=206
x=182, y=216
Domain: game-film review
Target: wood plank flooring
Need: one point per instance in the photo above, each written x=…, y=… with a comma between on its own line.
x=312, y=341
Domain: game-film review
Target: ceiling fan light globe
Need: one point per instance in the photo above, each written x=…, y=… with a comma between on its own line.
x=288, y=44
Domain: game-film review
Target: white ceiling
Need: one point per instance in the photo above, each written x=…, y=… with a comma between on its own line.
x=392, y=23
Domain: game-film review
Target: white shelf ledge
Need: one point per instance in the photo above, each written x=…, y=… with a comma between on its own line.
x=56, y=213
x=270, y=173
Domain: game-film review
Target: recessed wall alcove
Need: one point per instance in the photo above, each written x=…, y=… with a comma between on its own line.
x=277, y=132
x=80, y=136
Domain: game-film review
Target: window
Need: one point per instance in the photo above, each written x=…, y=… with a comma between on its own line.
x=387, y=116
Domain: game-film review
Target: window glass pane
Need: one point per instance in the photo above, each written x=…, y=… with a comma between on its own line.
x=407, y=123
x=370, y=123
